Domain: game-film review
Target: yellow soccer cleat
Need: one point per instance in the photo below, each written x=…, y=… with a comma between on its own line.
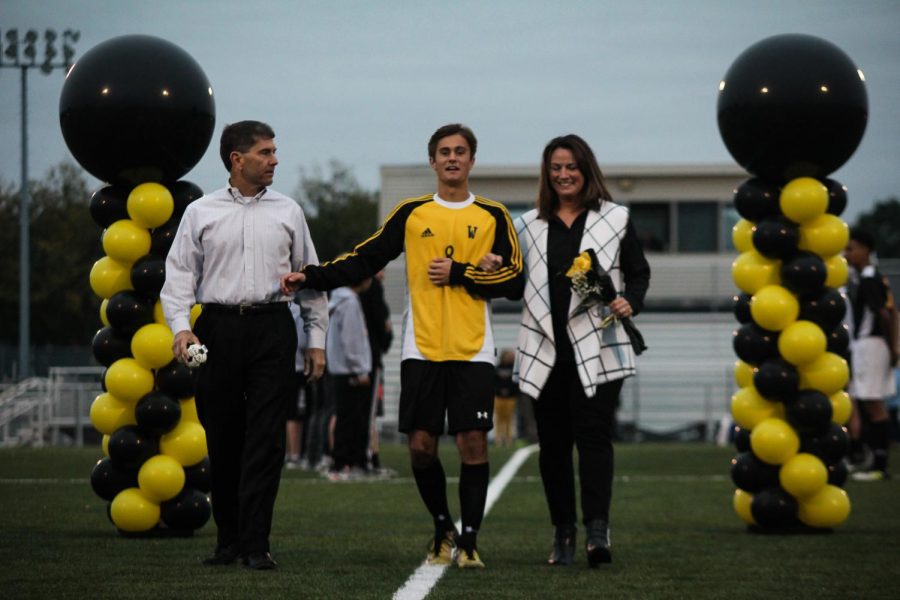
x=468, y=559
x=441, y=549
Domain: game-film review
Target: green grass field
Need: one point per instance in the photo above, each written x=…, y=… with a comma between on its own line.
x=673, y=530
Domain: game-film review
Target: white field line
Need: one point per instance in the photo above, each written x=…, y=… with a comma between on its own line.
x=426, y=576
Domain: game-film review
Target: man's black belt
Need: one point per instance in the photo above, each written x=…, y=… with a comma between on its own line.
x=245, y=309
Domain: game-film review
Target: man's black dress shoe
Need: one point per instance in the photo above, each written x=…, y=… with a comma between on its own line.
x=597, y=544
x=563, y=552
x=260, y=561
x=223, y=555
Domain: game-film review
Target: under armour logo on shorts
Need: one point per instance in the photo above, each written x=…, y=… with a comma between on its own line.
x=481, y=415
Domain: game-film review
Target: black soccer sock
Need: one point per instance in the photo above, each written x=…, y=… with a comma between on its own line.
x=376, y=462
x=473, y=484
x=432, y=484
x=880, y=441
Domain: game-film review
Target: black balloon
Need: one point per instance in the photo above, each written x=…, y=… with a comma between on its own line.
x=188, y=510
x=830, y=447
x=751, y=474
x=839, y=341
x=198, y=476
x=740, y=304
x=109, y=204
x=175, y=380
x=148, y=274
x=805, y=273
x=792, y=105
x=157, y=412
x=755, y=199
x=826, y=308
x=162, y=237
x=837, y=473
x=130, y=446
x=183, y=193
x=776, y=379
x=107, y=480
x=809, y=413
x=741, y=439
x=776, y=237
x=837, y=197
x=128, y=311
x=753, y=344
x=110, y=345
x=137, y=108
x=774, y=508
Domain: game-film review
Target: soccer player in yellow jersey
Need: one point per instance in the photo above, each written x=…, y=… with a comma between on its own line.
x=448, y=351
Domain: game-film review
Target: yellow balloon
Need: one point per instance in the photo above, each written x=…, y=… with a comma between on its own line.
x=158, y=315
x=150, y=205
x=803, y=199
x=189, y=411
x=195, y=312
x=108, y=413
x=132, y=511
x=826, y=235
x=828, y=508
x=161, y=478
x=749, y=407
x=774, y=441
x=109, y=276
x=152, y=346
x=774, y=307
x=742, y=501
x=752, y=271
x=743, y=373
x=802, y=342
x=104, y=445
x=742, y=235
x=103, y=306
x=128, y=381
x=186, y=443
x=836, y=271
x=126, y=241
x=841, y=407
x=829, y=374
x=803, y=475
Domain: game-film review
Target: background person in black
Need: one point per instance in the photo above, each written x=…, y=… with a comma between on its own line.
x=448, y=348
x=571, y=366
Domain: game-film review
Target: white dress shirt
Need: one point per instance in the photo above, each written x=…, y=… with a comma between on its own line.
x=233, y=249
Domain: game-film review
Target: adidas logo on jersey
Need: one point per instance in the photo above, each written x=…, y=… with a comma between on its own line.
x=427, y=232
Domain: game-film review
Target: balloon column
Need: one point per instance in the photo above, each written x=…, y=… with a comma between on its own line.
x=138, y=113
x=792, y=109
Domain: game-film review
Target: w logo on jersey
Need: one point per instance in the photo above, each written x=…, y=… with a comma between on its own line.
x=481, y=414
x=472, y=229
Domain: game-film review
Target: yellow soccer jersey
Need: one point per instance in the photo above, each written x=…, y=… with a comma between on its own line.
x=449, y=322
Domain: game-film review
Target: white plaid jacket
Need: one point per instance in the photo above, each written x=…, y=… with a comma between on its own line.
x=601, y=354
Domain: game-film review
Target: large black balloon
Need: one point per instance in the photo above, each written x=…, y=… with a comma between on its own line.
x=837, y=473
x=740, y=304
x=809, y=413
x=157, y=412
x=137, y=108
x=109, y=204
x=755, y=199
x=753, y=344
x=774, y=508
x=776, y=237
x=837, y=197
x=175, y=380
x=838, y=340
x=148, y=274
x=741, y=439
x=162, y=237
x=183, y=193
x=130, y=446
x=825, y=308
x=107, y=480
x=830, y=447
x=776, y=379
x=805, y=273
x=128, y=311
x=198, y=476
x=110, y=345
x=792, y=105
x=751, y=474
x=188, y=510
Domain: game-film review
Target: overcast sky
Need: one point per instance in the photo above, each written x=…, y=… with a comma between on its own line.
x=366, y=82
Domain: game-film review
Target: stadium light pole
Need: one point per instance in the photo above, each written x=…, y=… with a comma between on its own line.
x=22, y=54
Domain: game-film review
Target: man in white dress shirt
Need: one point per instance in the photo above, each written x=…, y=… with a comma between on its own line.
x=230, y=249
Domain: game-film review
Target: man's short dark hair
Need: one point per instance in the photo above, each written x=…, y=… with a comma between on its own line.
x=863, y=237
x=240, y=137
x=452, y=129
